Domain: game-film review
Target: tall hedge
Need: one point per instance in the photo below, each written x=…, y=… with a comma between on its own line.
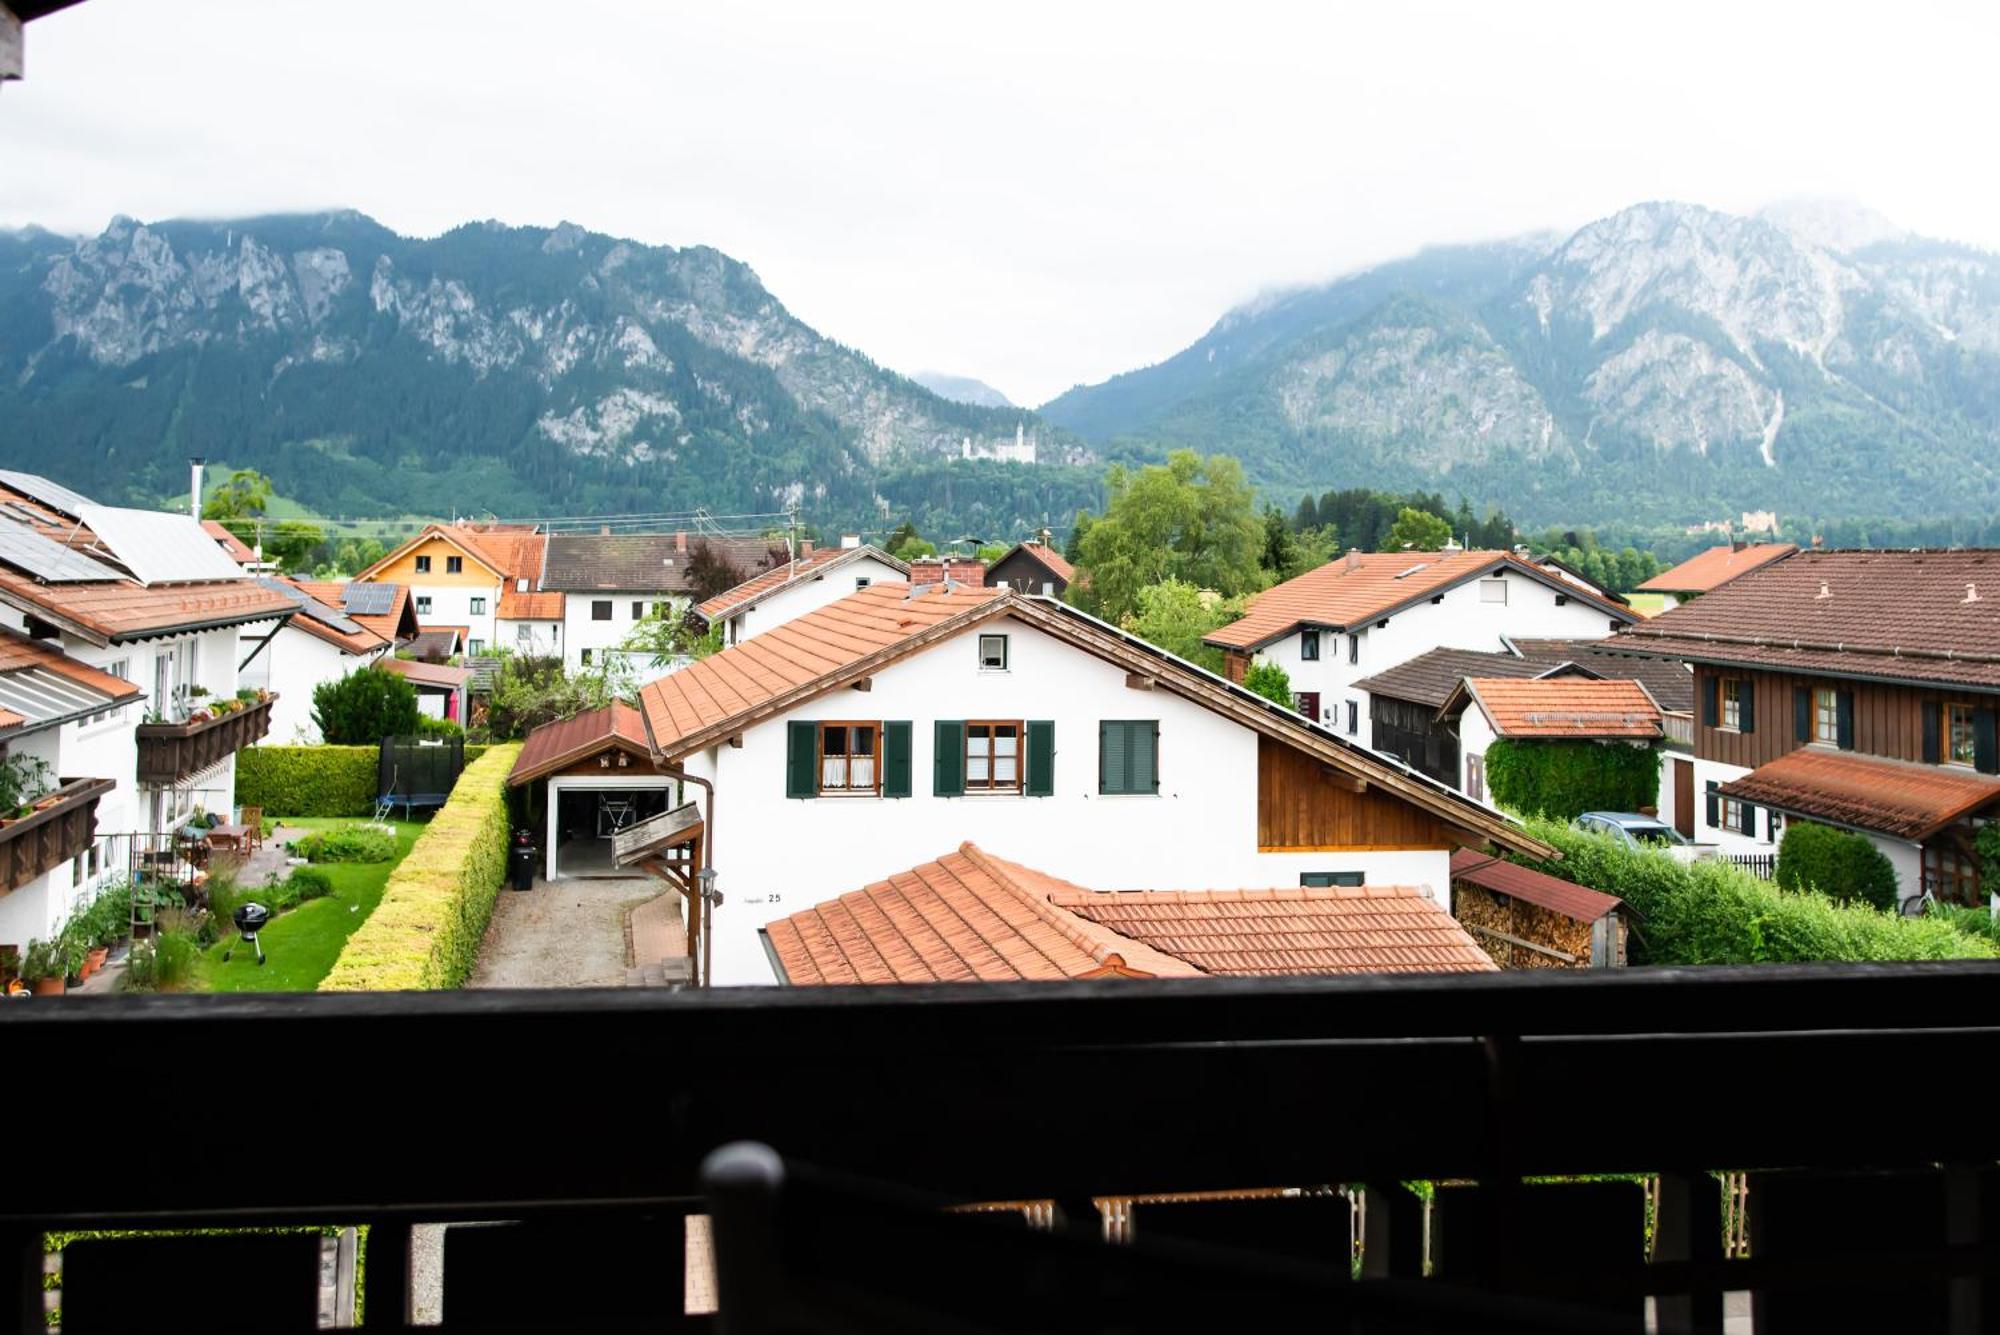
x=1714, y=912
x=425, y=933
x=312, y=780
x=1843, y=866
x=1564, y=779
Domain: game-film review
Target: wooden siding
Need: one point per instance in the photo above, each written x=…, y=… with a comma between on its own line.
x=1888, y=720
x=1302, y=805
x=403, y=570
x=1415, y=735
x=1024, y=574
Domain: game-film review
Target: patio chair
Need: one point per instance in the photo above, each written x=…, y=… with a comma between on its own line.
x=254, y=818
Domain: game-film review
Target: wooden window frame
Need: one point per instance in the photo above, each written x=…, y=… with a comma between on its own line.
x=1946, y=755
x=1964, y=886
x=1729, y=703
x=1006, y=651
x=819, y=758
x=1020, y=783
x=1826, y=716
x=1729, y=815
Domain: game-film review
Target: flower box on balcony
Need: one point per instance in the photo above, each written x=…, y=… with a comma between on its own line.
x=170, y=752
x=61, y=826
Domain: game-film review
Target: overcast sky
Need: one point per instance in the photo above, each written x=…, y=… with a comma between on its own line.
x=1036, y=195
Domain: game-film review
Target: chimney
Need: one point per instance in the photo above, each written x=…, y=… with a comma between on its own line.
x=1971, y=592
x=1825, y=591
x=1354, y=558
x=806, y=545
x=681, y=540
x=604, y=530
x=1736, y=544
x=195, y=463
x=1048, y=538
x=847, y=540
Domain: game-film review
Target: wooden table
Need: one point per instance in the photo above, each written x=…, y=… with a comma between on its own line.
x=233, y=837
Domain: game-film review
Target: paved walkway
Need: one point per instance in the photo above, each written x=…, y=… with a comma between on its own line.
x=561, y=934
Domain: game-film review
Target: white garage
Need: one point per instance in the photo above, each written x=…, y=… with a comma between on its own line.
x=587, y=778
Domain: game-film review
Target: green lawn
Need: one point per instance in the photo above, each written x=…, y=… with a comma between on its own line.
x=301, y=946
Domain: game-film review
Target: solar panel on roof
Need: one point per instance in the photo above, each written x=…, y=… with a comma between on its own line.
x=39, y=558
x=52, y=494
x=368, y=600
x=159, y=548
x=312, y=606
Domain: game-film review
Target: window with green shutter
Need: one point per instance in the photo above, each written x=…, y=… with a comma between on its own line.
x=896, y=759
x=1041, y=758
x=801, y=758
x=948, y=758
x=1128, y=756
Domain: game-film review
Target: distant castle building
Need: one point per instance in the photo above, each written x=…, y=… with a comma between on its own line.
x=1022, y=451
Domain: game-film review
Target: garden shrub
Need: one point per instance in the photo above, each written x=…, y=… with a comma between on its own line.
x=363, y=707
x=1564, y=779
x=426, y=931
x=310, y=883
x=313, y=780
x=163, y=964
x=1843, y=866
x=1714, y=912
x=1270, y=681
x=348, y=843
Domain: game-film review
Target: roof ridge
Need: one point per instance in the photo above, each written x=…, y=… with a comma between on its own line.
x=1103, y=944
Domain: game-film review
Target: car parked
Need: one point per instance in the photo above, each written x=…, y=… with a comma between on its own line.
x=1642, y=832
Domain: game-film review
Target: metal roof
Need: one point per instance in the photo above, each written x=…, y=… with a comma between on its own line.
x=45, y=698
x=160, y=548
x=40, y=558
x=52, y=494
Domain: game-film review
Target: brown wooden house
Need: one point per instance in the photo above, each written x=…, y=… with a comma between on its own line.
x=1855, y=689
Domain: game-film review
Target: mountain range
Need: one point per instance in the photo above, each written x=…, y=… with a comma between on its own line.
x=1667, y=363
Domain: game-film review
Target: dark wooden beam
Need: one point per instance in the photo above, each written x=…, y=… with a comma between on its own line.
x=1139, y=681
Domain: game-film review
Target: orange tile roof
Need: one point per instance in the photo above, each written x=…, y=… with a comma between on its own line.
x=1530, y=886
x=9, y=719
x=18, y=652
x=1361, y=587
x=122, y=610
x=1892, y=797
x=229, y=542
x=810, y=566
x=428, y=674
x=970, y=916
x=516, y=552
x=389, y=625
x=766, y=669
x=1058, y=564
x=1716, y=566
x=565, y=742
x=518, y=606
x=364, y=641
x=1559, y=706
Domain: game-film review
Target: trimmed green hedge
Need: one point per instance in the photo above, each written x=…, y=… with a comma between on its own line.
x=1714, y=912
x=313, y=780
x=1843, y=866
x=1564, y=779
x=425, y=933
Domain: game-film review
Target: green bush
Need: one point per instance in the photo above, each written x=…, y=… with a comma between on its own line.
x=426, y=931
x=313, y=780
x=310, y=883
x=163, y=964
x=1714, y=912
x=439, y=727
x=1270, y=681
x=363, y=707
x=1843, y=866
x=348, y=843
x=1564, y=779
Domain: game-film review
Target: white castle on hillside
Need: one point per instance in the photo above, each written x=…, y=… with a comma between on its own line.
x=1022, y=451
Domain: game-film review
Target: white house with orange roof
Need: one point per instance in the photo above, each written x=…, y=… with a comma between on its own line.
x=339, y=628
x=1367, y=612
x=458, y=574
x=792, y=589
x=847, y=743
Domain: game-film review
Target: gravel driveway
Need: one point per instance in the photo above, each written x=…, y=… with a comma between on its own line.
x=561, y=934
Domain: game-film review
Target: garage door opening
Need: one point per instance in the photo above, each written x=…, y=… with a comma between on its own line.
x=585, y=820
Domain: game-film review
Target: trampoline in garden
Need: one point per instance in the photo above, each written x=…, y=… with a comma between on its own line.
x=416, y=773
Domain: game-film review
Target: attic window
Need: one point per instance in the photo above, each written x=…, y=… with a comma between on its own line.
x=1493, y=591
x=520, y=586
x=454, y=565
x=993, y=653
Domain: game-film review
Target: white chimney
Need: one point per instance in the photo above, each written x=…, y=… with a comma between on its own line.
x=849, y=541
x=1353, y=558
x=195, y=463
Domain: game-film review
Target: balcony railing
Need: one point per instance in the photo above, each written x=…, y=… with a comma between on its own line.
x=1293, y=1091
x=170, y=752
x=61, y=826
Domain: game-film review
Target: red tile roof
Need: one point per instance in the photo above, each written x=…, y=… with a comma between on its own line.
x=1361, y=587
x=1568, y=706
x=811, y=566
x=1892, y=797
x=970, y=916
x=1057, y=564
x=1530, y=886
x=517, y=606
x=121, y=610
x=1715, y=567
x=428, y=674
x=229, y=542
x=511, y=551
x=557, y=746
x=767, y=669
x=1913, y=617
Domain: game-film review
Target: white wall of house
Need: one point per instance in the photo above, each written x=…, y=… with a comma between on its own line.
x=1726, y=840
x=455, y=604
x=584, y=632
x=1466, y=618
x=1475, y=734
x=808, y=595
x=774, y=855
x=530, y=639
x=294, y=664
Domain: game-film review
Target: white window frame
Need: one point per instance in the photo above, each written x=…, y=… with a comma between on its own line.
x=1489, y=588
x=1005, y=653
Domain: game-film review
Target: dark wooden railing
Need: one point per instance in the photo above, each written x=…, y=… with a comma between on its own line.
x=588, y=1115
x=170, y=752
x=60, y=827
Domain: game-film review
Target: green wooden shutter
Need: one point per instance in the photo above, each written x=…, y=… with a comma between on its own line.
x=801, y=757
x=1933, y=726
x=1714, y=805
x=1802, y=714
x=1146, y=748
x=1746, y=706
x=1711, y=708
x=896, y=759
x=948, y=758
x=1843, y=720
x=1041, y=772
x=1110, y=757
x=1985, y=742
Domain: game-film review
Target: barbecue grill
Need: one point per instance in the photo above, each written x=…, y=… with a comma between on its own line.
x=250, y=918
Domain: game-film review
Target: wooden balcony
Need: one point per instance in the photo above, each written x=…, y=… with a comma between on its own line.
x=170, y=752
x=62, y=826
x=1679, y=730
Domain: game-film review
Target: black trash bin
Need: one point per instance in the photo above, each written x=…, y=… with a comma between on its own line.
x=521, y=861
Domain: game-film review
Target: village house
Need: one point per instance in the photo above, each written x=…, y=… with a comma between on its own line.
x=337, y=629
x=794, y=588
x=137, y=596
x=844, y=744
x=1033, y=566
x=1852, y=688
x=1562, y=706
x=458, y=575
x=1708, y=570
x=611, y=582
x=1365, y=612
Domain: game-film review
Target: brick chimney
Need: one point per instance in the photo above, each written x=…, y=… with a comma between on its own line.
x=681, y=540
x=806, y=546
x=604, y=530
x=1353, y=558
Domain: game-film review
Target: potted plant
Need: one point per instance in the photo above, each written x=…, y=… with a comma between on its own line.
x=42, y=968
x=24, y=780
x=75, y=954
